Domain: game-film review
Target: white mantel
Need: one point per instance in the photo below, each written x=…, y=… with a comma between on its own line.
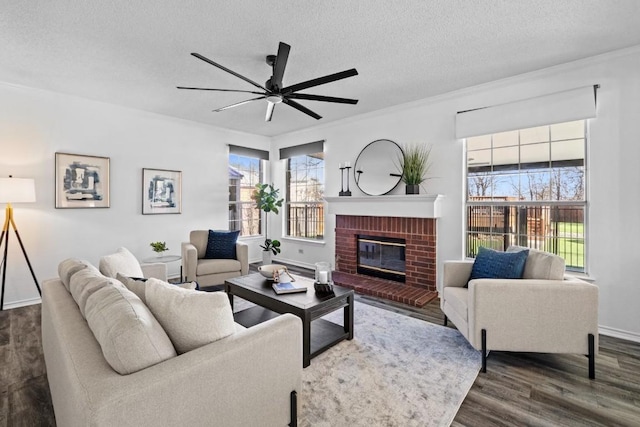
x=408, y=206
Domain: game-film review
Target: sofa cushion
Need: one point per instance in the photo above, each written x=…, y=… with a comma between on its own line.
x=138, y=285
x=84, y=283
x=221, y=244
x=541, y=265
x=492, y=264
x=190, y=318
x=123, y=262
x=130, y=337
x=216, y=266
x=68, y=268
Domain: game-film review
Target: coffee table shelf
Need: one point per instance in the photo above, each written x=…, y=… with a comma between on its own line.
x=324, y=334
x=317, y=334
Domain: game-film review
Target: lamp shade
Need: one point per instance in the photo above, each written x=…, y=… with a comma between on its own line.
x=17, y=190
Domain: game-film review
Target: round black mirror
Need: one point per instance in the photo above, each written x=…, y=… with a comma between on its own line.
x=376, y=171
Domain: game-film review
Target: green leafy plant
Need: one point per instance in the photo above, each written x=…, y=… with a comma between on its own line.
x=159, y=247
x=414, y=163
x=266, y=197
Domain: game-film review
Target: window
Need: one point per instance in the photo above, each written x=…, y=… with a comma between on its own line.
x=305, y=190
x=527, y=187
x=244, y=173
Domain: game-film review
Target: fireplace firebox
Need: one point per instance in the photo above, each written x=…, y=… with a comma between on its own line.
x=382, y=257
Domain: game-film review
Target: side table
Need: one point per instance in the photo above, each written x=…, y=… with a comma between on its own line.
x=165, y=259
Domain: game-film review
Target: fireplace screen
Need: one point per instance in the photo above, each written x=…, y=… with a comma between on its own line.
x=381, y=257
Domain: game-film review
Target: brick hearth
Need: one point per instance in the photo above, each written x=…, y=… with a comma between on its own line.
x=420, y=237
x=387, y=289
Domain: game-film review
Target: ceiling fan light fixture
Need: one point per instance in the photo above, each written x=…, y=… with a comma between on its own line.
x=274, y=99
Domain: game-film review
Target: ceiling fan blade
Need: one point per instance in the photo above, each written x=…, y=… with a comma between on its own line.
x=322, y=98
x=320, y=81
x=237, y=104
x=281, y=63
x=219, y=90
x=222, y=67
x=270, y=107
x=302, y=108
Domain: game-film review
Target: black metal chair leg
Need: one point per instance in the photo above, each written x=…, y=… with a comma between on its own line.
x=484, y=350
x=592, y=357
x=294, y=409
x=445, y=320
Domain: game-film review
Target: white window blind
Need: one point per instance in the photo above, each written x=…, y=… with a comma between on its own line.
x=560, y=107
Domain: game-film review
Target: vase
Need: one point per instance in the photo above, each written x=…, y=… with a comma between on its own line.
x=266, y=257
x=412, y=189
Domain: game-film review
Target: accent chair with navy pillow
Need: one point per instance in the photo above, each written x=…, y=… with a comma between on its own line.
x=210, y=257
x=542, y=309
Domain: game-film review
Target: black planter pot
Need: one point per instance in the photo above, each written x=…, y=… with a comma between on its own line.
x=412, y=189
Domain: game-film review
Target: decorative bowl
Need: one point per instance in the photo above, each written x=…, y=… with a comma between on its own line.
x=267, y=270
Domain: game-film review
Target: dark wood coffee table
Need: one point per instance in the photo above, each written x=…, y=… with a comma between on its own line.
x=317, y=334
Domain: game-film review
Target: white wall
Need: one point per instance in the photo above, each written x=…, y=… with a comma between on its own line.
x=614, y=151
x=35, y=124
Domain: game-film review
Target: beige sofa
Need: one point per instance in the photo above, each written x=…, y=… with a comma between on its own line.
x=246, y=378
x=546, y=311
x=211, y=272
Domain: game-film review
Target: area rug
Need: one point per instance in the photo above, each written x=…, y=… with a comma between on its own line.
x=397, y=371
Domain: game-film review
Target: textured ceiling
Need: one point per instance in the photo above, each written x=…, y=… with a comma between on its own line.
x=134, y=53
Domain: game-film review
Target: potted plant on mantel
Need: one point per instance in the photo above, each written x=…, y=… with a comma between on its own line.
x=413, y=165
x=266, y=197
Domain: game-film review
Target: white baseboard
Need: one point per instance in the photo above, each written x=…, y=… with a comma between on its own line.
x=22, y=303
x=294, y=262
x=619, y=333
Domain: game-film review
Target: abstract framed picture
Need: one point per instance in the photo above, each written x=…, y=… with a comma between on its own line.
x=161, y=191
x=81, y=181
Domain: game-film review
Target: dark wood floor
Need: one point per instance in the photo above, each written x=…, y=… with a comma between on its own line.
x=518, y=389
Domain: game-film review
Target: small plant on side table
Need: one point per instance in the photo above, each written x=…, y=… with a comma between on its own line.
x=159, y=247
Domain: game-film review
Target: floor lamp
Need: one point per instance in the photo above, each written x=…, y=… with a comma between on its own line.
x=14, y=190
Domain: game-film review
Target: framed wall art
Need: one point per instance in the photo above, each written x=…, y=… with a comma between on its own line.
x=81, y=181
x=161, y=191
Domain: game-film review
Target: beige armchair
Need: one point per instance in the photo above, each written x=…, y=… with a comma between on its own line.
x=211, y=272
x=546, y=311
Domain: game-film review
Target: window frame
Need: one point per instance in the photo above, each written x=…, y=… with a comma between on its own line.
x=233, y=222
x=520, y=206
x=316, y=207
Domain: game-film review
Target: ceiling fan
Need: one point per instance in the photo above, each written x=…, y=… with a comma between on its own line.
x=274, y=91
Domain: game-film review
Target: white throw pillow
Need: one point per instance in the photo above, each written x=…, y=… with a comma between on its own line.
x=123, y=262
x=138, y=286
x=190, y=318
x=130, y=337
x=69, y=267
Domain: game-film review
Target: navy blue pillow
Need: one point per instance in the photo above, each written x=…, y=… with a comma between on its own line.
x=221, y=244
x=492, y=264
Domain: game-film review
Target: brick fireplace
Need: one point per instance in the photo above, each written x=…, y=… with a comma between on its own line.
x=418, y=233
x=411, y=218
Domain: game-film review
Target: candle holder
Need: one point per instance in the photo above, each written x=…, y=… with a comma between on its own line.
x=347, y=192
x=342, y=192
x=323, y=283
